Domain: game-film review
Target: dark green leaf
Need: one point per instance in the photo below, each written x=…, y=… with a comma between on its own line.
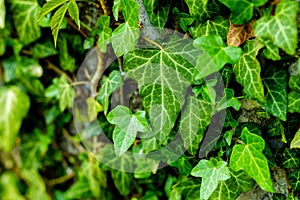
x=294, y=178
x=43, y=49
x=291, y=159
x=160, y=17
x=203, y=9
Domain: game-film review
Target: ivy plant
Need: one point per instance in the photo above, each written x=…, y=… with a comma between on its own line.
x=149, y=99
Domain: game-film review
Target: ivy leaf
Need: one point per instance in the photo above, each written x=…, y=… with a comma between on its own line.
x=188, y=187
x=184, y=20
x=248, y=68
x=163, y=76
x=122, y=181
x=249, y=157
x=238, y=34
x=294, y=102
x=271, y=51
x=195, y=118
x=104, y=32
x=43, y=49
x=275, y=128
x=49, y=6
x=275, y=81
x=290, y=159
x=216, y=55
x=127, y=126
x=66, y=61
x=2, y=14
x=115, y=9
x=124, y=39
x=296, y=141
x=294, y=179
x=219, y=25
x=66, y=94
x=242, y=11
x=159, y=18
x=57, y=19
x=202, y=10
x=74, y=12
x=231, y=188
x=228, y=100
x=281, y=29
x=109, y=85
x=14, y=105
x=25, y=14
x=212, y=171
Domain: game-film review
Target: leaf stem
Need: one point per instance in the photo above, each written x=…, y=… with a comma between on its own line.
x=80, y=83
x=121, y=88
x=152, y=42
x=60, y=180
x=98, y=73
x=238, y=140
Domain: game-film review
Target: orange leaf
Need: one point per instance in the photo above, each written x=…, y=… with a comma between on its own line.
x=238, y=34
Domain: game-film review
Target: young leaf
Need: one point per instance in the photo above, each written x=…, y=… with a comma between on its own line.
x=74, y=12
x=228, y=100
x=2, y=14
x=212, y=171
x=215, y=56
x=238, y=34
x=247, y=71
x=281, y=29
x=109, y=85
x=242, y=11
x=184, y=20
x=249, y=157
x=163, y=75
x=275, y=81
x=219, y=25
x=57, y=19
x=66, y=93
x=202, y=10
x=115, y=9
x=25, y=14
x=195, y=118
x=127, y=126
x=49, y=6
x=14, y=105
x=296, y=141
x=231, y=188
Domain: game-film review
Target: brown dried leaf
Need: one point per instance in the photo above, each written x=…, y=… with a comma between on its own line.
x=238, y=34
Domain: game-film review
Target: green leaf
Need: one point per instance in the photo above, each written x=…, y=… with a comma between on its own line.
x=203, y=9
x=249, y=157
x=231, y=188
x=188, y=187
x=49, y=6
x=159, y=18
x=130, y=10
x=14, y=105
x=184, y=21
x=275, y=81
x=228, y=100
x=195, y=118
x=25, y=14
x=294, y=179
x=163, y=75
x=294, y=102
x=291, y=159
x=296, y=141
x=9, y=183
x=66, y=61
x=183, y=165
x=242, y=11
x=215, y=55
x=270, y=51
x=219, y=25
x=281, y=29
x=43, y=49
x=2, y=14
x=127, y=126
x=115, y=9
x=104, y=32
x=275, y=129
x=57, y=20
x=109, y=85
x=124, y=39
x=247, y=71
x=212, y=171
x=74, y=12
x=66, y=94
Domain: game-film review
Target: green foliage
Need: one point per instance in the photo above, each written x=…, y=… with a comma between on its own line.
x=225, y=119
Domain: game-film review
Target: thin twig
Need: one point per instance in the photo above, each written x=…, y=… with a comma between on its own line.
x=238, y=140
x=71, y=22
x=104, y=7
x=59, y=71
x=153, y=42
x=60, y=180
x=75, y=144
x=80, y=83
